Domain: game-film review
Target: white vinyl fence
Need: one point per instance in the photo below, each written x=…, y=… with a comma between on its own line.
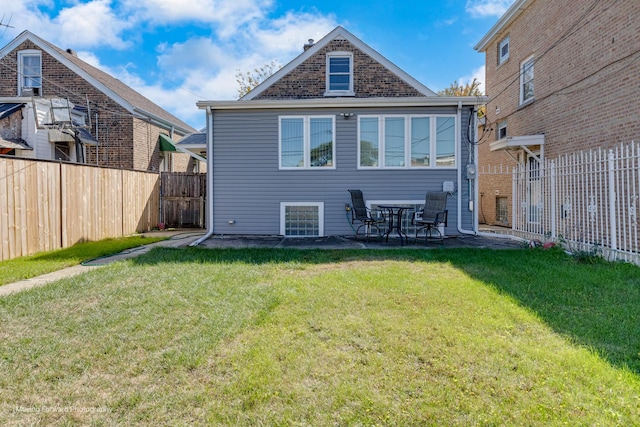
x=588, y=201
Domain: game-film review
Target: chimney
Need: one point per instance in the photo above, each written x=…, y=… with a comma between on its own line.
x=308, y=44
x=72, y=52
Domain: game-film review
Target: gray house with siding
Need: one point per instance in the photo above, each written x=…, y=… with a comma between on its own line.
x=339, y=116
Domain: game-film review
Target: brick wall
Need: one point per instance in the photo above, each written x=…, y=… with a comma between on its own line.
x=123, y=141
x=308, y=80
x=586, y=77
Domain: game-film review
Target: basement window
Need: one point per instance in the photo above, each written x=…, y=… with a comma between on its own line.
x=302, y=219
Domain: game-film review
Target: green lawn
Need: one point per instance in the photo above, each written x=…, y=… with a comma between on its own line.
x=22, y=268
x=441, y=337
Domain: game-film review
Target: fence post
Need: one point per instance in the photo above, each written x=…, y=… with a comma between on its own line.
x=554, y=231
x=612, y=209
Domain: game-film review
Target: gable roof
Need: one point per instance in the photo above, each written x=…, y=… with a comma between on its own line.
x=115, y=89
x=339, y=33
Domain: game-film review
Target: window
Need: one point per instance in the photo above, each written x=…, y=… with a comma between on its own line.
x=29, y=72
x=340, y=73
x=406, y=141
x=302, y=219
x=503, y=50
x=306, y=142
x=61, y=151
x=502, y=130
x=526, y=81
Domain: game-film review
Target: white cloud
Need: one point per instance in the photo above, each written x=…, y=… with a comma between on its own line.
x=81, y=25
x=483, y=8
x=90, y=24
x=229, y=35
x=225, y=15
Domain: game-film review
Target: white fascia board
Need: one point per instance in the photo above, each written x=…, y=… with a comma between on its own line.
x=420, y=101
x=160, y=121
x=336, y=33
x=509, y=16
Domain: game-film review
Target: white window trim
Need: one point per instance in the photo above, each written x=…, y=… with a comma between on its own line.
x=529, y=60
x=283, y=225
x=407, y=142
x=307, y=142
x=21, y=54
x=330, y=92
x=505, y=41
x=502, y=125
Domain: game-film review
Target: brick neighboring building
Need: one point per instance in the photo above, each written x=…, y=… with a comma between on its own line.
x=125, y=126
x=562, y=77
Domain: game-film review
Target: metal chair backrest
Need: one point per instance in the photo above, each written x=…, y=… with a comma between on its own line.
x=360, y=212
x=435, y=203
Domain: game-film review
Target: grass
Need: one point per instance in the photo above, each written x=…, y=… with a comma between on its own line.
x=22, y=268
x=284, y=337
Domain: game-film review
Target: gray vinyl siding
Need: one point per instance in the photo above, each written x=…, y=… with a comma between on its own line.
x=249, y=187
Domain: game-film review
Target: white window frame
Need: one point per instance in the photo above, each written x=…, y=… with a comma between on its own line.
x=504, y=42
x=348, y=92
x=21, y=72
x=502, y=126
x=527, y=63
x=407, y=141
x=283, y=216
x=307, y=143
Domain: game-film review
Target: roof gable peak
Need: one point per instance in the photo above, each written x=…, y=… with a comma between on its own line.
x=338, y=34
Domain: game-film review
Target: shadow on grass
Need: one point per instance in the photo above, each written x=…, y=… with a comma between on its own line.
x=90, y=249
x=596, y=305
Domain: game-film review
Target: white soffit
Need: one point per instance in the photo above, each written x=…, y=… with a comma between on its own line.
x=516, y=142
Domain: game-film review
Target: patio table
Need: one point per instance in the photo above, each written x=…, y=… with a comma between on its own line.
x=394, y=216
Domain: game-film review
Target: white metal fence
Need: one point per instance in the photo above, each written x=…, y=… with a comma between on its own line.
x=588, y=201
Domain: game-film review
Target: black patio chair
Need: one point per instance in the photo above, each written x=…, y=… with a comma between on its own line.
x=433, y=215
x=363, y=215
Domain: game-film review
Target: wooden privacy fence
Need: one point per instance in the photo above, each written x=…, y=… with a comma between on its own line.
x=49, y=205
x=182, y=199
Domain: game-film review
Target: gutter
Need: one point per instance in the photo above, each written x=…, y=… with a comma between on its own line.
x=209, y=180
x=417, y=101
x=143, y=114
x=475, y=181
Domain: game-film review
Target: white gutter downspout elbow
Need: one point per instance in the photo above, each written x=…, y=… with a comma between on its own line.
x=474, y=156
x=209, y=179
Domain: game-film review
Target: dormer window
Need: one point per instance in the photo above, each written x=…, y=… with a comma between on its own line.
x=29, y=73
x=339, y=74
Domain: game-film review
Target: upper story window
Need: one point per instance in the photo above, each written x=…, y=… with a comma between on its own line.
x=503, y=50
x=400, y=142
x=526, y=81
x=307, y=142
x=339, y=74
x=29, y=73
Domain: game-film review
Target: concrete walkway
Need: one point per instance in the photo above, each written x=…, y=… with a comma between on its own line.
x=182, y=238
x=177, y=239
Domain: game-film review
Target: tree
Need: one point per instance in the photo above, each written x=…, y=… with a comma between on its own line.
x=248, y=80
x=470, y=89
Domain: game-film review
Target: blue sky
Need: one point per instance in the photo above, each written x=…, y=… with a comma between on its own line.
x=177, y=52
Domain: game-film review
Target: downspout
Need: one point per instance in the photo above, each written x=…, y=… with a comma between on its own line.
x=209, y=179
x=475, y=181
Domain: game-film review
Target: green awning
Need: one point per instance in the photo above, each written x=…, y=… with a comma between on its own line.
x=166, y=144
